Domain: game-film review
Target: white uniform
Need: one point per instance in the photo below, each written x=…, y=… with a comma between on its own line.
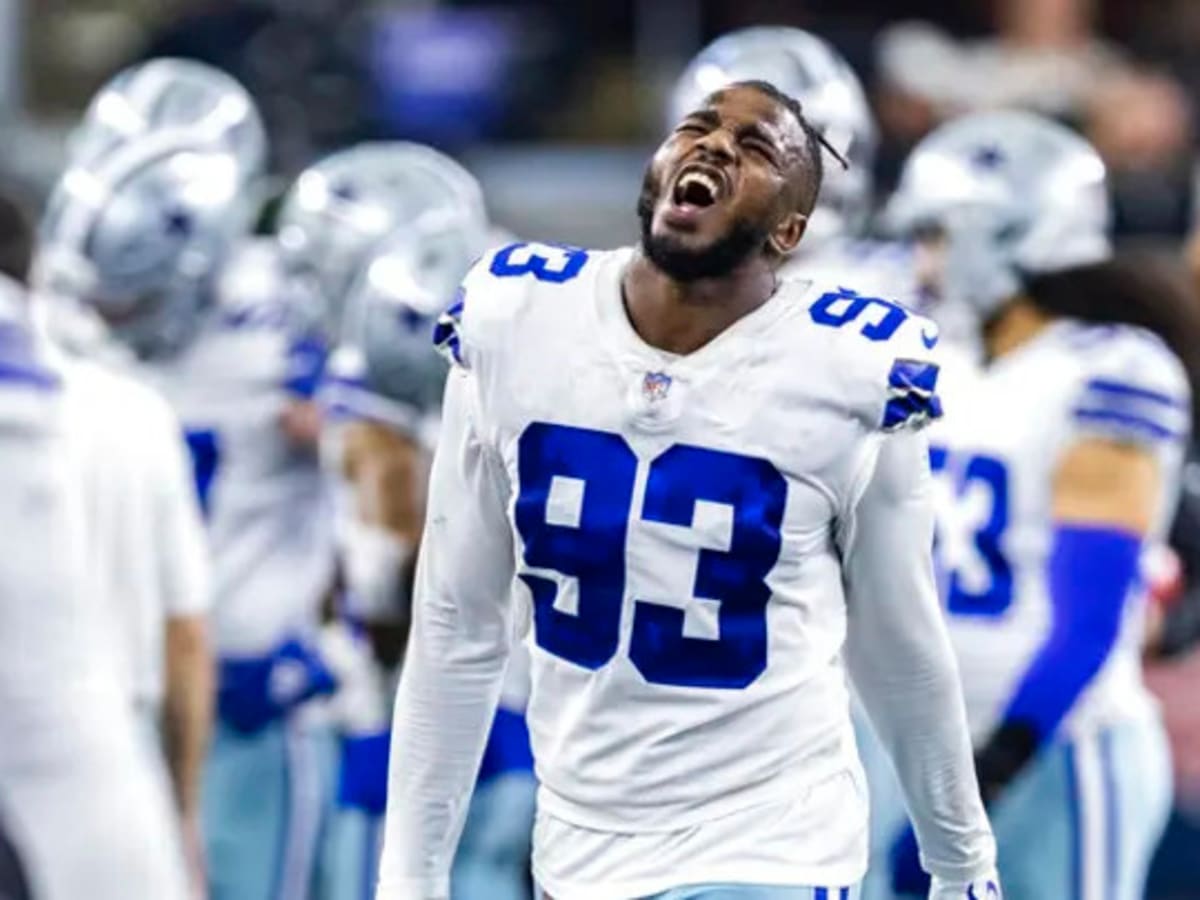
x=81, y=805
x=1084, y=817
x=263, y=497
x=271, y=545
x=998, y=449
x=150, y=553
x=685, y=533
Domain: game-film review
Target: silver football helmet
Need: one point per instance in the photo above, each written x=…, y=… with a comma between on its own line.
x=379, y=208
x=139, y=224
x=387, y=336
x=162, y=99
x=806, y=67
x=1012, y=194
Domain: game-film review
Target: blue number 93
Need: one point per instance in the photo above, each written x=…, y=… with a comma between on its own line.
x=592, y=549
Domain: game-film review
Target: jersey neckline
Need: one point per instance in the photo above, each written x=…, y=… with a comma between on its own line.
x=727, y=347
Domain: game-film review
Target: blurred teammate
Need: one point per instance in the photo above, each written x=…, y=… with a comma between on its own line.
x=1059, y=465
x=148, y=565
x=83, y=814
x=388, y=231
x=148, y=227
x=703, y=487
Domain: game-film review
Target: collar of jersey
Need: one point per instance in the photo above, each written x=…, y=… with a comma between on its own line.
x=723, y=351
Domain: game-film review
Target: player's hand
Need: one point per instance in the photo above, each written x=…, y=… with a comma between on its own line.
x=905, y=863
x=987, y=888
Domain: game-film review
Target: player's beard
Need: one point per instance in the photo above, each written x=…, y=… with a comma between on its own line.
x=682, y=263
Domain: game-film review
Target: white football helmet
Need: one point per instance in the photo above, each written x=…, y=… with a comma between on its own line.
x=1013, y=194
x=803, y=66
x=377, y=208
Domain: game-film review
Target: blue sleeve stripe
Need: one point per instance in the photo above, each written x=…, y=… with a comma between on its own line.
x=911, y=394
x=913, y=375
x=1124, y=421
x=445, y=332
x=1133, y=392
x=911, y=408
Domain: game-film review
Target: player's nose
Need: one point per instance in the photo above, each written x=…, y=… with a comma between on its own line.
x=719, y=145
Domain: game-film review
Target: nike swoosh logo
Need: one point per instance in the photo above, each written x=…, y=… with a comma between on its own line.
x=929, y=340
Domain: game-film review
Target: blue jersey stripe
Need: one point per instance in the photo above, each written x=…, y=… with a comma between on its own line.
x=1131, y=391
x=1128, y=422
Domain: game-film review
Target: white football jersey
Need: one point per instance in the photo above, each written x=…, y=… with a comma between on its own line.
x=262, y=496
x=57, y=662
x=149, y=552
x=996, y=452
x=736, y=464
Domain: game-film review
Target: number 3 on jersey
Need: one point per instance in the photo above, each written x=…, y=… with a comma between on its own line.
x=573, y=514
x=981, y=486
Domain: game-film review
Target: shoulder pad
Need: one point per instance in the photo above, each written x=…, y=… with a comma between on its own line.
x=495, y=292
x=1133, y=387
x=887, y=352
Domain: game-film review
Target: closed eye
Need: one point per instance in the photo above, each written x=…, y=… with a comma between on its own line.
x=761, y=149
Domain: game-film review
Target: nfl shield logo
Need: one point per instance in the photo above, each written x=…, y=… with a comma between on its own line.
x=656, y=385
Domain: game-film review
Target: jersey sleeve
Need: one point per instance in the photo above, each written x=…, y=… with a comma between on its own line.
x=463, y=627
x=1133, y=390
x=900, y=659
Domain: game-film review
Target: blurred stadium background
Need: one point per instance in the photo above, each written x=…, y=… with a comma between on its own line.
x=554, y=105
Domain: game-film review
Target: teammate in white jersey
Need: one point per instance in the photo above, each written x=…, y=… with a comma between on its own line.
x=703, y=487
x=1057, y=465
x=388, y=230
x=149, y=226
x=82, y=810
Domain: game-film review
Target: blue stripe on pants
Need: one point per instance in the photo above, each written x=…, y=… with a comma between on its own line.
x=1076, y=824
x=1112, y=849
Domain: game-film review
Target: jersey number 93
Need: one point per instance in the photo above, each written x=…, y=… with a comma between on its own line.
x=573, y=512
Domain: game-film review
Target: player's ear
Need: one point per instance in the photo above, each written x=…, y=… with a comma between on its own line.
x=787, y=232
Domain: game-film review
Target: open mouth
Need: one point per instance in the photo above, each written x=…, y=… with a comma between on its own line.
x=695, y=187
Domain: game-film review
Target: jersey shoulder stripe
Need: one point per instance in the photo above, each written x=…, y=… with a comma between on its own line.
x=1133, y=388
